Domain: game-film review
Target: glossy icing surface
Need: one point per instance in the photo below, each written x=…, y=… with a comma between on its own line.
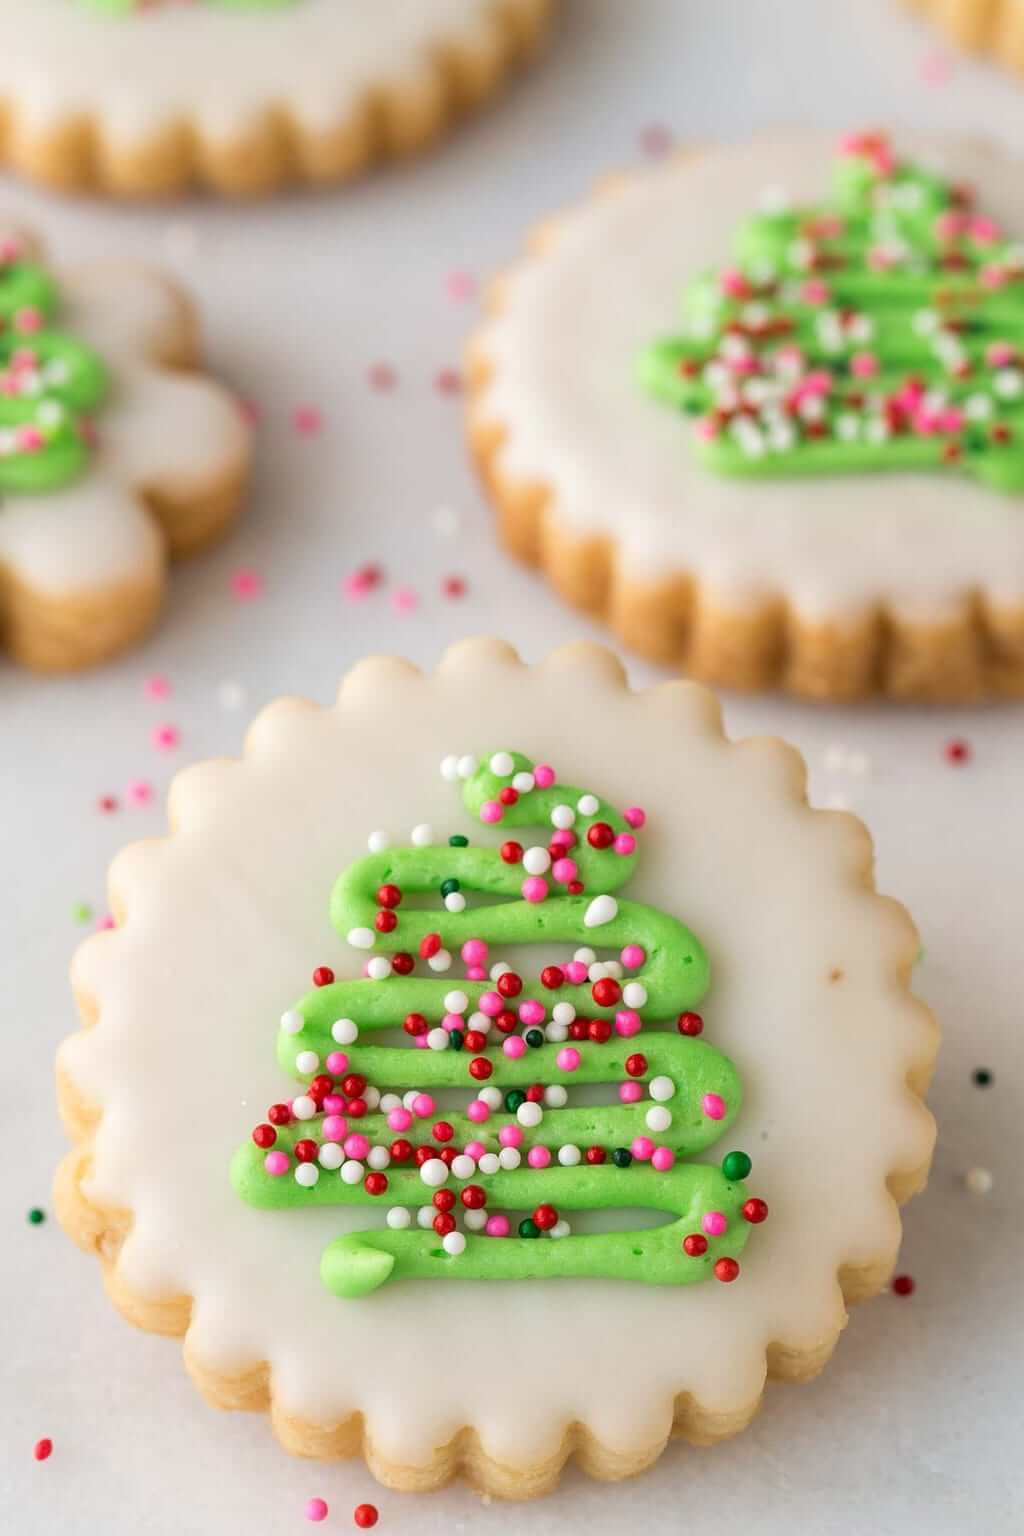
x=239, y=897
x=564, y=348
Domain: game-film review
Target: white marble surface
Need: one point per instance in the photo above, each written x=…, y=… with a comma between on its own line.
x=915, y=1426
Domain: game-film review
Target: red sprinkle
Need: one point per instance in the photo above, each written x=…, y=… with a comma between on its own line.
x=480, y=1068
x=755, y=1211
x=509, y=984
x=512, y=853
x=402, y=963
x=636, y=1065
x=957, y=750
x=453, y=586
x=695, y=1245
x=726, y=1270
x=903, y=1285
x=323, y=976
x=689, y=1023
x=389, y=896
x=430, y=946
x=375, y=1183
x=42, y=1450
x=365, y=1516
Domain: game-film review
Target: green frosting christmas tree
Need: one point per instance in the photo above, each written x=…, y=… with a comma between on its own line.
x=883, y=330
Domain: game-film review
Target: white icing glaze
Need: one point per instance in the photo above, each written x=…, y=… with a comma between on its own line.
x=564, y=350
x=182, y=1060
x=220, y=68
x=157, y=430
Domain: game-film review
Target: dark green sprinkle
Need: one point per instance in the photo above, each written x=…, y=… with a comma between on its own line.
x=456, y=1039
x=513, y=1099
x=449, y=887
x=528, y=1227
x=736, y=1165
x=458, y=841
x=36, y=1216
x=981, y=1077
x=534, y=1037
x=622, y=1157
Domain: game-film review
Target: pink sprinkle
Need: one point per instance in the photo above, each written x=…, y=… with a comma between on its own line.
x=814, y=291
x=28, y=320
x=400, y=1119
x=538, y=1157
x=984, y=230
x=251, y=412
x=337, y=1062
x=491, y=1003
x=452, y=1021
x=382, y=377
x=642, y=1148
x=656, y=141
x=633, y=957
x=405, y=599
x=714, y=1106
x=535, y=888
x=474, y=952
x=714, y=1223
x=475, y=1149
x=307, y=420
x=630, y=1093
x=935, y=68
x=564, y=870
x=453, y=587
x=422, y=1105
x=568, y=1059
x=166, y=737
x=510, y=1136
x=531, y=1012
x=543, y=776
x=514, y=1047
x=246, y=584
x=276, y=1163
x=634, y=817
x=139, y=792
x=1000, y=354
x=497, y=1226
x=733, y=284
x=334, y=1104
x=105, y=923
x=334, y=1128
x=448, y=381
x=356, y=1146
x=575, y=973
x=157, y=686
x=316, y=1510
x=994, y=277
x=477, y=1111
x=880, y=259
x=476, y=973
x=628, y=1023
x=460, y=286
x=563, y=837
x=491, y=812
x=362, y=581
x=662, y=1159
x=29, y=439
x=864, y=365
x=625, y=844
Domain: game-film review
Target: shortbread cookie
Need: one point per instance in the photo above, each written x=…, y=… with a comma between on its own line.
x=845, y=512
x=608, y=1054
x=112, y=455
x=243, y=96
x=988, y=26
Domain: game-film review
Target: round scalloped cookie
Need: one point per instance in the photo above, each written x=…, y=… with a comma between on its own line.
x=156, y=468
x=808, y=1000
x=140, y=101
x=834, y=586
x=995, y=27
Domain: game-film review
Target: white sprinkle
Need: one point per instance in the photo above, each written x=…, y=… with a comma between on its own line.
x=490, y=1096
x=926, y=322
x=585, y=956
x=480, y=1022
x=345, y=1031
x=463, y=1166
x=555, y=1096
x=330, y=1156
x=978, y=1181
x=303, y=1108
x=441, y=961
x=569, y=1155
x=399, y=1218
x=454, y=1243
x=536, y=861
x=561, y=1228
x=489, y=1163
x=371, y=1096
x=529, y=1114
x=455, y=1002
x=437, y=1039
x=502, y=764
x=446, y=522
x=307, y=1175
x=455, y=902
x=556, y=1033
x=603, y=909
x=378, y=968
x=409, y=1099
x=422, y=835
x=475, y=1220
x=523, y=782
x=563, y=817
x=351, y=1172
x=450, y=768
x=292, y=1021
x=598, y=971
x=377, y=842
x=613, y=968
x=425, y=1215
x=509, y=1158
x=1008, y=383
x=306, y=1062
x=588, y=805
x=563, y=1013
x=662, y=1088
x=500, y=968
x=634, y=994
x=230, y=695
x=467, y=766
x=659, y=1118
x=378, y=1158
x=847, y=427
x=978, y=407
x=361, y=938
x=434, y=1172
x=388, y=1102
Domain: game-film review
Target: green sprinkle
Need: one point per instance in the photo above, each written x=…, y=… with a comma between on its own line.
x=736, y=1165
x=36, y=1216
x=81, y=912
x=513, y=1099
x=622, y=1157
x=456, y=1039
x=534, y=1037
x=528, y=1227
x=449, y=887
x=458, y=841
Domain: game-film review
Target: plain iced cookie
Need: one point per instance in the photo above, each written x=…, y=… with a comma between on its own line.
x=511, y=1011
x=995, y=27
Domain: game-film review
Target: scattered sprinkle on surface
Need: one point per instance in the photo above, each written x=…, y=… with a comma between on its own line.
x=957, y=750
x=36, y=1216
x=42, y=1450
x=157, y=686
x=316, y=1510
x=656, y=141
x=903, y=1285
x=166, y=737
x=978, y=1181
x=382, y=377
x=453, y=586
x=307, y=420
x=365, y=1516
x=982, y=1077
x=246, y=584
